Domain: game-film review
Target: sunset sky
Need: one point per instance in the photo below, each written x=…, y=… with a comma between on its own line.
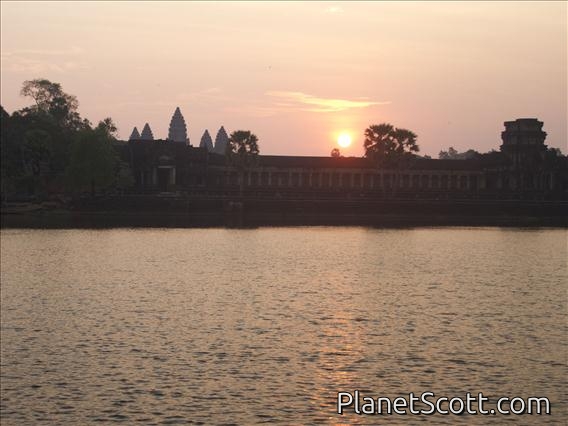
x=299, y=74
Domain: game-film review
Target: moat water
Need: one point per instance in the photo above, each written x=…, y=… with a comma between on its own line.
x=215, y=326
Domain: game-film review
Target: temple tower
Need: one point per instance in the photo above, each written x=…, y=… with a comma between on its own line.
x=178, y=129
x=134, y=135
x=523, y=141
x=147, y=133
x=221, y=141
x=206, y=141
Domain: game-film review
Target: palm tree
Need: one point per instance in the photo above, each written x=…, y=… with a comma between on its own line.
x=242, y=152
x=384, y=142
x=390, y=146
x=378, y=141
x=404, y=142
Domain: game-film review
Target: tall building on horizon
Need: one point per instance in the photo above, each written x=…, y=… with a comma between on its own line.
x=134, y=135
x=178, y=129
x=221, y=141
x=206, y=141
x=147, y=134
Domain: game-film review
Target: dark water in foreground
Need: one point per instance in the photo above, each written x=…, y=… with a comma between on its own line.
x=249, y=326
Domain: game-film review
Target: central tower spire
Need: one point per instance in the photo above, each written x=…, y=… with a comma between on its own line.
x=178, y=129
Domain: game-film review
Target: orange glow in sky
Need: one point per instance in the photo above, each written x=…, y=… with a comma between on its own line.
x=296, y=72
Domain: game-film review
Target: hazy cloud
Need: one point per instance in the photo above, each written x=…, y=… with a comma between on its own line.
x=74, y=50
x=306, y=102
x=40, y=60
x=19, y=64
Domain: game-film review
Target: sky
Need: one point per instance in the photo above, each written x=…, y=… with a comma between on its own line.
x=299, y=74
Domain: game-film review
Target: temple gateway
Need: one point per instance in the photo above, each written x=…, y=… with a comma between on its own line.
x=523, y=168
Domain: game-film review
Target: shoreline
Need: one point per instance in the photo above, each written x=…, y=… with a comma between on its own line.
x=184, y=212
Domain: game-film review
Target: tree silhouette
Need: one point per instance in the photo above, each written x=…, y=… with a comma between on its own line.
x=52, y=100
x=453, y=154
x=93, y=160
x=391, y=147
x=36, y=150
x=385, y=143
x=243, y=147
x=335, y=153
x=404, y=143
x=48, y=144
x=242, y=152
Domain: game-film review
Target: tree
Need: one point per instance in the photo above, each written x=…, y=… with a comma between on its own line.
x=553, y=158
x=450, y=154
x=37, y=150
x=242, y=148
x=109, y=127
x=390, y=146
x=404, y=143
x=242, y=152
x=386, y=144
x=54, y=112
x=453, y=154
x=93, y=159
x=378, y=141
x=335, y=153
x=11, y=154
x=51, y=99
x=47, y=142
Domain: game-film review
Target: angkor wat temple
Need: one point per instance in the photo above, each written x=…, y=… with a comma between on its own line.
x=523, y=168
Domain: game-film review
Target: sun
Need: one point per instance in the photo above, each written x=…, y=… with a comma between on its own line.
x=344, y=140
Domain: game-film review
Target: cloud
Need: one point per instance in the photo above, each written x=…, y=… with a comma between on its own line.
x=18, y=64
x=306, y=102
x=72, y=51
x=40, y=60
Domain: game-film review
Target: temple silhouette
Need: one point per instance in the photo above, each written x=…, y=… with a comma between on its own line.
x=523, y=168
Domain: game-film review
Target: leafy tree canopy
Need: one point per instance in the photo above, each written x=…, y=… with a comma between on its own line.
x=93, y=159
x=47, y=142
x=453, y=154
x=385, y=143
x=335, y=153
x=37, y=150
x=51, y=100
x=242, y=149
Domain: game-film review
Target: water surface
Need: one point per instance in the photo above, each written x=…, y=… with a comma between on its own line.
x=214, y=326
